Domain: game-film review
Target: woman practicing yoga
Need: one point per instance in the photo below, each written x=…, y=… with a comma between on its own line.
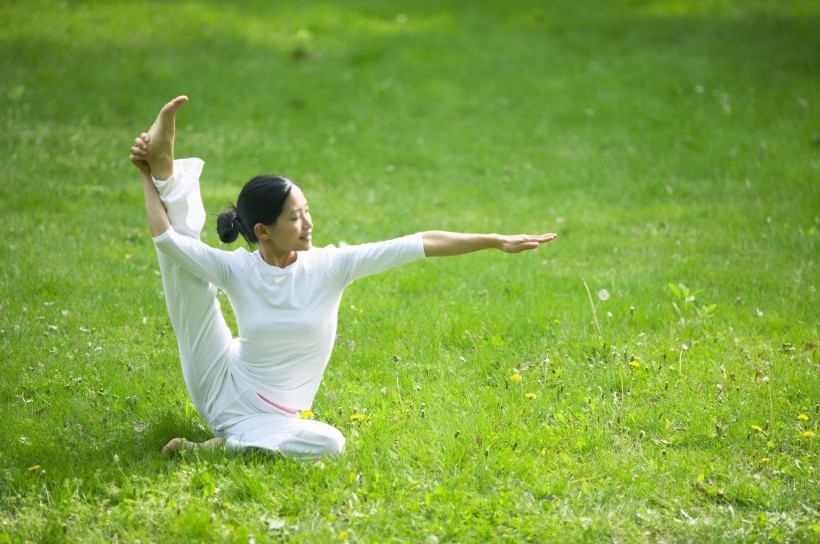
x=285, y=295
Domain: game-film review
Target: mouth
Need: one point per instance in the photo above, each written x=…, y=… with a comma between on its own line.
x=307, y=237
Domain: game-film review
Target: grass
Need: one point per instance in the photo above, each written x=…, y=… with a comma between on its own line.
x=666, y=142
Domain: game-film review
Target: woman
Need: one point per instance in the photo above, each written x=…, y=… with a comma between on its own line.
x=285, y=296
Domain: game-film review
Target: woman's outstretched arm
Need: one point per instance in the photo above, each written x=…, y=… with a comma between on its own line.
x=446, y=244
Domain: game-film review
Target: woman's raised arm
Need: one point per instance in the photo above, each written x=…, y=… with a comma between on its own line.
x=158, y=220
x=446, y=244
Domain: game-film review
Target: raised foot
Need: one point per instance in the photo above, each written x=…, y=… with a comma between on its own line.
x=160, y=153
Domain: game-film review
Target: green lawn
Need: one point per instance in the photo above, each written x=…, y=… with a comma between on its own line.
x=668, y=142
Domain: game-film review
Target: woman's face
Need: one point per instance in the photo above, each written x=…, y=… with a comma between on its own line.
x=293, y=229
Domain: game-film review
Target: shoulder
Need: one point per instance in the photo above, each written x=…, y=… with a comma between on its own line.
x=241, y=255
x=318, y=256
x=172, y=238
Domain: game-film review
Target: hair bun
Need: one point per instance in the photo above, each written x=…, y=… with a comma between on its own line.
x=227, y=226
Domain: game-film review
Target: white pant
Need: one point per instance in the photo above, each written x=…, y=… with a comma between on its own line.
x=206, y=346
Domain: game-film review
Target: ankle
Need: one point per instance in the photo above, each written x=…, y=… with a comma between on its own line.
x=162, y=173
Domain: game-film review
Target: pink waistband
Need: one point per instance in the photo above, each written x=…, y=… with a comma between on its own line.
x=287, y=410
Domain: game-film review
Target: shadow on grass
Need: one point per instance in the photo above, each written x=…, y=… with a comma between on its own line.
x=57, y=73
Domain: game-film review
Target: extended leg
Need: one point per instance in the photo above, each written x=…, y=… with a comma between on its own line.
x=177, y=182
x=202, y=335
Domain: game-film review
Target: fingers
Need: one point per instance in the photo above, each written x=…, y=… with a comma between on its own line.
x=139, y=152
x=526, y=242
x=140, y=147
x=542, y=239
x=539, y=239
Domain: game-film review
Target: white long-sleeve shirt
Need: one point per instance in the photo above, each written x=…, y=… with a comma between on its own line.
x=286, y=317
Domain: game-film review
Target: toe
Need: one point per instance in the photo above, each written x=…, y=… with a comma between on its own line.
x=172, y=106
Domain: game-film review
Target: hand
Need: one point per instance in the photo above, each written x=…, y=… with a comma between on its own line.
x=524, y=242
x=139, y=153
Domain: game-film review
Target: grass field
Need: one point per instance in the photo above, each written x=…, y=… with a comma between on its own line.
x=674, y=145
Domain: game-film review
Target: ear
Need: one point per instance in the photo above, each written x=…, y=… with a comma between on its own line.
x=261, y=231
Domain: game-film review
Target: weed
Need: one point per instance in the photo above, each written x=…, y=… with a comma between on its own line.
x=686, y=304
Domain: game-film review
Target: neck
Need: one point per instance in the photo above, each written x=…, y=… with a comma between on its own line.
x=280, y=259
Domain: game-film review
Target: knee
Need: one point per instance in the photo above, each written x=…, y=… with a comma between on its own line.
x=334, y=443
x=325, y=440
x=314, y=439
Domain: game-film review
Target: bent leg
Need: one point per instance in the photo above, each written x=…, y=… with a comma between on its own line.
x=290, y=436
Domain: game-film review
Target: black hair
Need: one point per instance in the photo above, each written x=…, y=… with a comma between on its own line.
x=260, y=201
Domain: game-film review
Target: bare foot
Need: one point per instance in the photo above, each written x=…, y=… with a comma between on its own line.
x=160, y=154
x=182, y=444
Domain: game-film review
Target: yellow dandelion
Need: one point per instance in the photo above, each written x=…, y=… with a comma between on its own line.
x=802, y=417
x=516, y=378
x=356, y=417
x=306, y=414
x=530, y=396
x=757, y=428
x=808, y=434
x=343, y=535
x=33, y=468
x=764, y=460
x=634, y=364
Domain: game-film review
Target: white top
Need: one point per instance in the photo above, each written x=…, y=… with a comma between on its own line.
x=286, y=316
